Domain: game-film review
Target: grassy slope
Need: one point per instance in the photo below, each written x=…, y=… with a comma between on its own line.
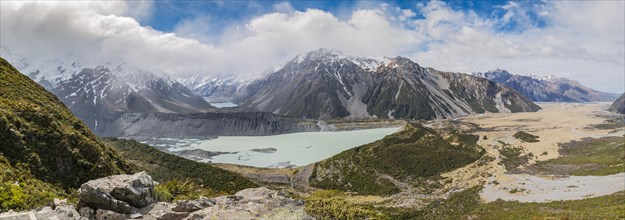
x=46, y=152
x=603, y=207
x=40, y=138
x=166, y=167
x=466, y=205
x=415, y=155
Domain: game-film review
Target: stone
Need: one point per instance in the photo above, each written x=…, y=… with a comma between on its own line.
x=118, y=193
x=102, y=214
x=192, y=205
x=87, y=212
x=253, y=203
x=163, y=210
x=135, y=216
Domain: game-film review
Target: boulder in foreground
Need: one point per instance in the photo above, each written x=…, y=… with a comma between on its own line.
x=119, y=193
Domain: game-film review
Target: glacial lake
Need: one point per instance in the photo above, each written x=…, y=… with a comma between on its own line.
x=296, y=149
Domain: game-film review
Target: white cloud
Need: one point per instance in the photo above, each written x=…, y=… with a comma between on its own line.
x=37, y=29
x=581, y=40
x=284, y=7
x=406, y=14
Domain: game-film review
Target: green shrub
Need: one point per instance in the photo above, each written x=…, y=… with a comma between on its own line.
x=527, y=137
x=513, y=157
x=595, y=157
x=20, y=190
x=180, y=190
x=331, y=204
x=37, y=134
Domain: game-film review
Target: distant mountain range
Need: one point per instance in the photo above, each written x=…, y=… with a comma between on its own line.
x=319, y=84
x=547, y=89
x=327, y=84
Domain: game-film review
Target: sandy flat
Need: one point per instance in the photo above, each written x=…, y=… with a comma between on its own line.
x=538, y=189
x=556, y=123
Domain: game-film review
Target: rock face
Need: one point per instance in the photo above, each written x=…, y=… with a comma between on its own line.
x=119, y=193
x=619, y=105
x=328, y=84
x=547, y=89
x=201, y=124
x=131, y=196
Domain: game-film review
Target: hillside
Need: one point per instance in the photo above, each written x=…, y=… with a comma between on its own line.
x=165, y=167
x=46, y=152
x=409, y=159
x=619, y=105
x=40, y=136
x=327, y=84
x=547, y=89
x=92, y=91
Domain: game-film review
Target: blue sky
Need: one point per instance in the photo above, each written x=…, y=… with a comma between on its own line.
x=171, y=13
x=581, y=40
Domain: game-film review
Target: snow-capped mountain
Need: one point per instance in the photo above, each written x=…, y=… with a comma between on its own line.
x=216, y=89
x=94, y=91
x=328, y=84
x=547, y=88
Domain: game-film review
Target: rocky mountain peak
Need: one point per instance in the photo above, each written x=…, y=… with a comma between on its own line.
x=321, y=53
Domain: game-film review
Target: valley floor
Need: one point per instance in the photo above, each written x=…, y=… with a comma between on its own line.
x=555, y=124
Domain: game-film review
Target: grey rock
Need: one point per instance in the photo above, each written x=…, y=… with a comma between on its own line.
x=619, y=105
x=253, y=203
x=61, y=211
x=87, y=212
x=102, y=214
x=119, y=193
x=135, y=216
x=163, y=210
x=192, y=205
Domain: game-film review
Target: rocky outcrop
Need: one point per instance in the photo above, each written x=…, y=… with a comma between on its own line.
x=131, y=197
x=60, y=210
x=200, y=124
x=255, y=203
x=119, y=193
x=619, y=105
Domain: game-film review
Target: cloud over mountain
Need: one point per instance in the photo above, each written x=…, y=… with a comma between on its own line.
x=580, y=40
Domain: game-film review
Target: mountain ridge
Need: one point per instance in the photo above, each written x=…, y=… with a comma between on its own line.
x=327, y=84
x=546, y=89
